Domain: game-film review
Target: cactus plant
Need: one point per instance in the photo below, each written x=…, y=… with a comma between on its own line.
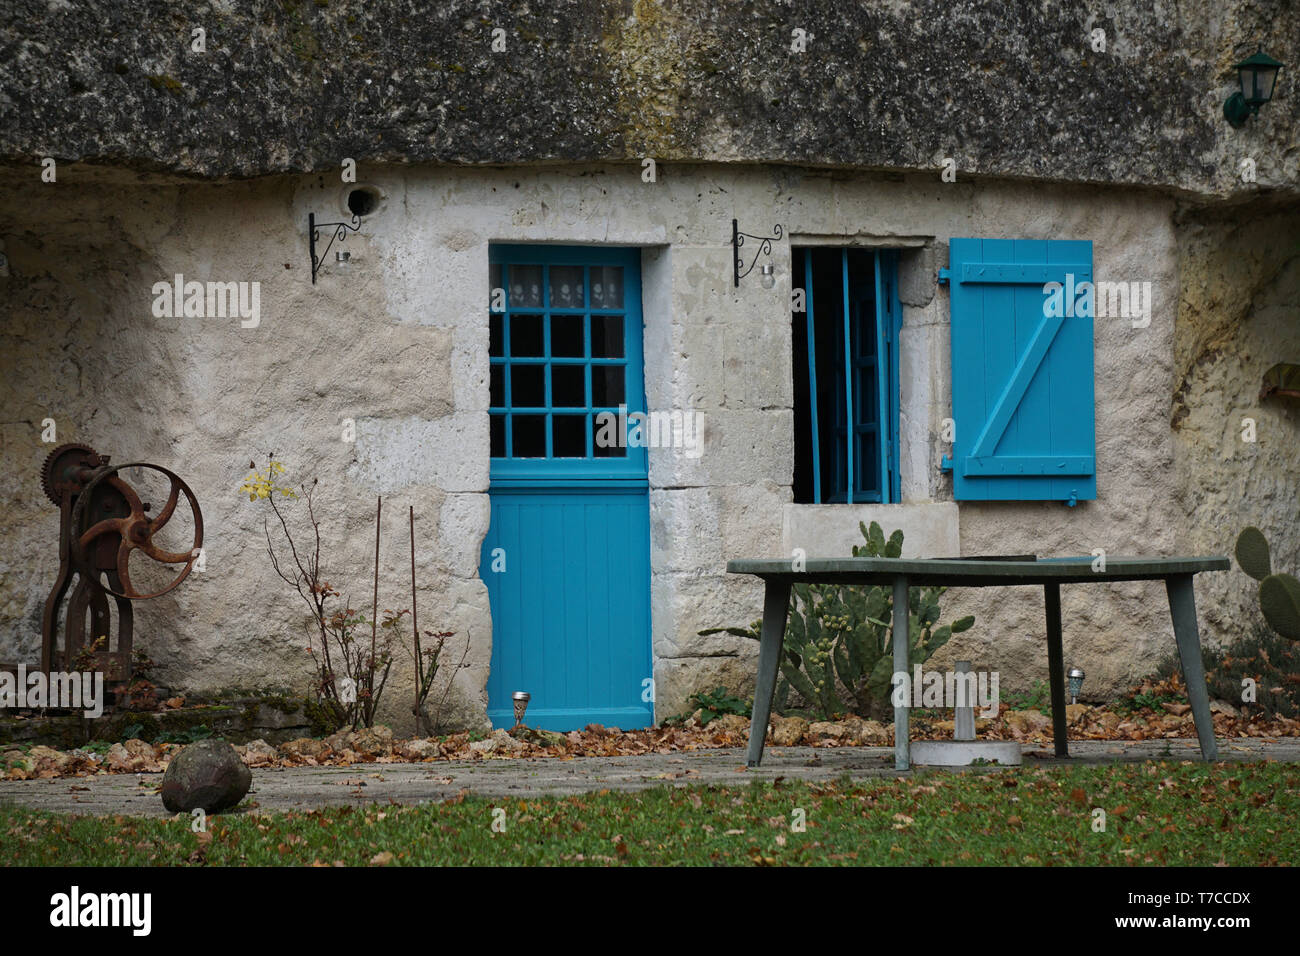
x=1252, y=553
x=1279, y=599
x=1279, y=594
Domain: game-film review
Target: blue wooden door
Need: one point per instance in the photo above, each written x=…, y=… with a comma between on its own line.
x=566, y=560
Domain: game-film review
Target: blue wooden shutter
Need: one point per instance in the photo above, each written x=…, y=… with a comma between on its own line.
x=1022, y=376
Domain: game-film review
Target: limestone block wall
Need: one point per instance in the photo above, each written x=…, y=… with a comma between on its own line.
x=396, y=341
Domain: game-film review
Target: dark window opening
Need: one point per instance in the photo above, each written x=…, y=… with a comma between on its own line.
x=845, y=375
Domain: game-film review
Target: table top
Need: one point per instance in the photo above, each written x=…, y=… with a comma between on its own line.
x=988, y=571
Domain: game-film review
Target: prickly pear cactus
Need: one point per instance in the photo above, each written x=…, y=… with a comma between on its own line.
x=1279, y=599
x=1279, y=594
x=1252, y=553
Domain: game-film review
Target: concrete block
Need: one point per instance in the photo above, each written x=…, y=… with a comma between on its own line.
x=963, y=753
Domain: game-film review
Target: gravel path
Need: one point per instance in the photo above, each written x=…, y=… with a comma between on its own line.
x=301, y=787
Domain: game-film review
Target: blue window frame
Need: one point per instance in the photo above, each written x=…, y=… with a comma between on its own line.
x=564, y=341
x=846, y=375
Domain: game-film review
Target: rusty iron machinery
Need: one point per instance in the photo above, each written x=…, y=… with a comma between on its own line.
x=102, y=521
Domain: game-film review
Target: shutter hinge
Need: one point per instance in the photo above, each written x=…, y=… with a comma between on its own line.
x=1074, y=498
x=945, y=463
x=944, y=276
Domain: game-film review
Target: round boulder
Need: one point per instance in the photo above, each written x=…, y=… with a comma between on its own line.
x=207, y=775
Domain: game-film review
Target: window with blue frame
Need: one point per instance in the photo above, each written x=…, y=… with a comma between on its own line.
x=846, y=375
x=564, y=330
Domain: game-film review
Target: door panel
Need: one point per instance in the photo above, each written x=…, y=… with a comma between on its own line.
x=570, y=612
x=567, y=558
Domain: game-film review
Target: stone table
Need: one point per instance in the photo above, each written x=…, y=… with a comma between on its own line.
x=779, y=575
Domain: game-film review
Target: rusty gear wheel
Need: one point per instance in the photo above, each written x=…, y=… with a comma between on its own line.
x=110, y=509
x=61, y=466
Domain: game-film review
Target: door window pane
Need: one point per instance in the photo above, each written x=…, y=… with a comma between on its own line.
x=566, y=336
x=566, y=287
x=607, y=287
x=569, y=436
x=525, y=287
x=529, y=436
x=528, y=386
x=569, y=386
x=526, y=336
x=607, y=336
x=607, y=385
x=605, y=437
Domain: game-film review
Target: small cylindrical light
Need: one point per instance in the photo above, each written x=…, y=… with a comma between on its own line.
x=521, y=699
x=767, y=273
x=1075, y=676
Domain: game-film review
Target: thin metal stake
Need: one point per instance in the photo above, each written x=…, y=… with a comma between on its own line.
x=379, y=508
x=415, y=628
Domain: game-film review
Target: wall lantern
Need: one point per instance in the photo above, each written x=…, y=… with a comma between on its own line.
x=1257, y=75
x=765, y=249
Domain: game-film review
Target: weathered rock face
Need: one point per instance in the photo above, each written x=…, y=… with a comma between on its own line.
x=208, y=775
x=1004, y=88
x=1237, y=456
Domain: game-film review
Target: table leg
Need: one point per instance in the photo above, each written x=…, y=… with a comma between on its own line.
x=1056, y=668
x=1182, y=608
x=776, y=606
x=902, y=662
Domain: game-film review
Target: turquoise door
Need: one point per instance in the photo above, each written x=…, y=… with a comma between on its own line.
x=566, y=559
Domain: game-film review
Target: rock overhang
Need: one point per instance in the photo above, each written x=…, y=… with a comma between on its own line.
x=1006, y=89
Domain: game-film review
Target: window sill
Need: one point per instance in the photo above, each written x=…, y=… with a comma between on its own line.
x=930, y=528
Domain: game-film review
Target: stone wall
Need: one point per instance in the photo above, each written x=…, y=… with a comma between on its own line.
x=397, y=341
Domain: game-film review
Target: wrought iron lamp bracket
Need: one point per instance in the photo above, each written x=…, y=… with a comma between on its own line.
x=338, y=230
x=738, y=240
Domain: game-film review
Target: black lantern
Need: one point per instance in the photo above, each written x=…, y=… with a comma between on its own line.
x=1257, y=75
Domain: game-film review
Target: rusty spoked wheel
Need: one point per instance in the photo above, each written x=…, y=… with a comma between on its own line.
x=108, y=508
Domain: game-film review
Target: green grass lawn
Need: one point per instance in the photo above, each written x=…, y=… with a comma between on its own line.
x=1156, y=814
